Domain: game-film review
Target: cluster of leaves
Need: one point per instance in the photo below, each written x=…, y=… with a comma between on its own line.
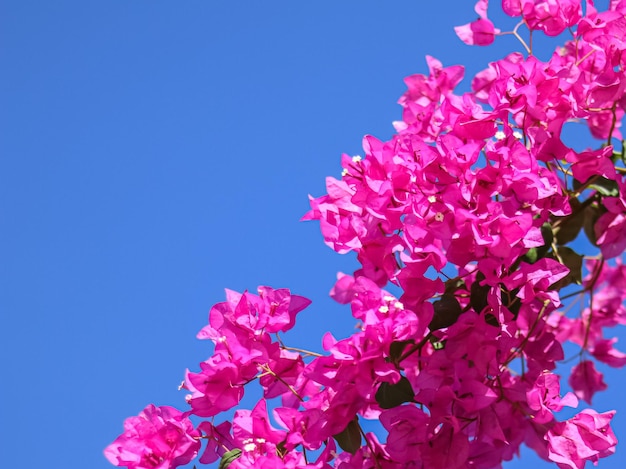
x=470, y=210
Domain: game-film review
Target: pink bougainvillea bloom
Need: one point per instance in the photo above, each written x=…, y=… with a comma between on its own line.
x=218, y=386
x=512, y=7
x=477, y=33
x=550, y=16
x=218, y=439
x=604, y=351
x=585, y=380
x=254, y=425
x=158, y=438
x=544, y=397
x=585, y=437
x=611, y=234
x=279, y=309
x=408, y=432
x=588, y=164
x=480, y=32
x=449, y=448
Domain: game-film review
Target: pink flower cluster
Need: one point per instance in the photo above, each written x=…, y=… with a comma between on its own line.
x=469, y=211
x=159, y=438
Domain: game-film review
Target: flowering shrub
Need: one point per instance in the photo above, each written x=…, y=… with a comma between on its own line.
x=470, y=210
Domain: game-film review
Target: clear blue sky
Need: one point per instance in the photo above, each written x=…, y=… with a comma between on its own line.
x=153, y=153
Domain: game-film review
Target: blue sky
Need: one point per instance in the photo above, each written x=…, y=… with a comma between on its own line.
x=153, y=153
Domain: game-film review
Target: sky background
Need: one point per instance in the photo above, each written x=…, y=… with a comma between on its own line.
x=153, y=153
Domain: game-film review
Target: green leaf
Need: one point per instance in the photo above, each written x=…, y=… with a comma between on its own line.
x=438, y=345
x=531, y=256
x=447, y=311
x=616, y=156
x=574, y=262
x=228, y=458
x=390, y=395
x=511, y=300
x=547, y=234
x=592, y=214
x=478, y=293
x=397, y=348
x=453, y=285
x=492, y=320
x=350, y=438
x=606, y=187
x=571, y=225
x=534, y=254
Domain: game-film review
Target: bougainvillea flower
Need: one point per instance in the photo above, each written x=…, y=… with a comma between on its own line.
x=585, y=437
x=158, y=438
x=585, y=380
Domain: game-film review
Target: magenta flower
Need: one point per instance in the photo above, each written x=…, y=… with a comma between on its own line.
x=465, y=213
x=544, y=398
x=585, y=437
x=604, y=351
x=408, y=432
x=585, y=380
x=550, y=16
x=218, y=440
x=218, y=387
x=480, y=32
x=158, y=438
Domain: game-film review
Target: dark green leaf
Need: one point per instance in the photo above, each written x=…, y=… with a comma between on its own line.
x=397, y=347
x=390, y=395
x=453, y=285
x=592, y=213
x=548, y=237
x=534, y=254
x=492, y=320
x=228, y=458
x=622, y=154
x=478, y=294
x=511, y=300
x=531, y=256
x=606, y=187
x=547, y=234
x=350, y=438
x=447, y=311
x=571, y=225
x=574, y=262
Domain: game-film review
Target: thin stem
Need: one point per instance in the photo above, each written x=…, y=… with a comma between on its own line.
x=415, y=347
x=584, y=187
x=569, y=295
x=369, y=445
x=305, y=352
x=613, y=122
x=521, y=346
x=294, y=349
x=576, y=211
x=591, y=52
x=270, y=372
x=519, y=38
x=592, y=283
